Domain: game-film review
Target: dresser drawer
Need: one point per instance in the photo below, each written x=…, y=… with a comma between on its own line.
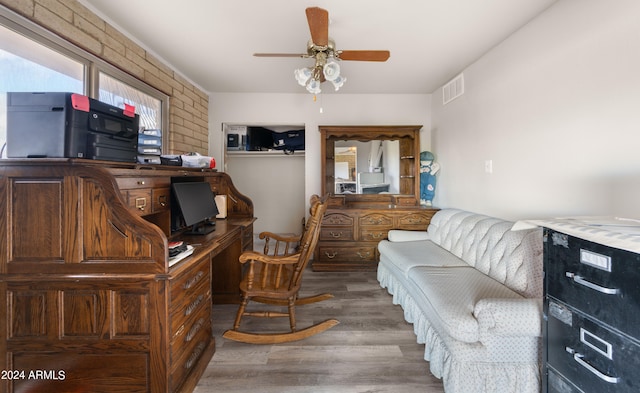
x=337, y=219
x=592, y=356
x=376, y=219
x=373, y=235
x=415, y=221
x=336, y=234
x=354, y=254
x=598, y=280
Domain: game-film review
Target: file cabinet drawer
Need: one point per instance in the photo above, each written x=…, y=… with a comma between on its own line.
x=592, y=356
x=598, y=280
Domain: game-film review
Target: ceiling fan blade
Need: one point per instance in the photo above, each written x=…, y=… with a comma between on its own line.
x=281, y=55
x=365, y=55
x=318, y=20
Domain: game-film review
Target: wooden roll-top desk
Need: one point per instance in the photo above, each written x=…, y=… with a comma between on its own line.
x=89, y=300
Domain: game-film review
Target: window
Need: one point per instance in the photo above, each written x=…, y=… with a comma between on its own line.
x=117, y=93
x=33, y=59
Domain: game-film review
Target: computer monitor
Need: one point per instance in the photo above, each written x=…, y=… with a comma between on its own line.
x=196, y=203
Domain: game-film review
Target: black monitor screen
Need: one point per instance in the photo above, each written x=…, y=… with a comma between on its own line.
x=196, y=202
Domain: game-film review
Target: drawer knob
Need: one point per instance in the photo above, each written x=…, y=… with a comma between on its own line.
x=141, y=182
x=330, y=256
x=336, y=234
x=579, y=280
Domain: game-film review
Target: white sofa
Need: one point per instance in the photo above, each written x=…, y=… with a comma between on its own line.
x=472, y=288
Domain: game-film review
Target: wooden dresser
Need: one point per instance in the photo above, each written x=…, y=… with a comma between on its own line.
x=90, y=302
x=352, y=228
x=355, y=222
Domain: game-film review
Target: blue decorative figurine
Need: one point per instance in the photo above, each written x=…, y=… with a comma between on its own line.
x=428, y=170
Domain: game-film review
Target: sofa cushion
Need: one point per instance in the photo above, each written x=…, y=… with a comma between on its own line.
x=407, y=255
x=450, y=294
x=490, y=245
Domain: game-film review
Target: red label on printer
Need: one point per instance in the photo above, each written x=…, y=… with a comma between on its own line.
x=80, y=102
x=129, y=110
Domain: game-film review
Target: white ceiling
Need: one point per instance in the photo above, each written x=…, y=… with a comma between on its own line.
x=211, y=42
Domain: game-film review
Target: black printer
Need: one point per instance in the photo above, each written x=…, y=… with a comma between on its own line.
x=70, y=125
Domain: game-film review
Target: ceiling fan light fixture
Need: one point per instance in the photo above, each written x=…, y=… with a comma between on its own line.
x=313, y=86
x=331, y=70
x=338, y=82
x=302, y=75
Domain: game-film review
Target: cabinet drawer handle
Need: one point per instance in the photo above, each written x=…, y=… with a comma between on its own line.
x=193, y=305
x=578, y=358
x=330, y=256
x=195, y=355
x=366, y=255
x=377, y=235
x=335, y=235
x=194, y=330
x=192, y=281
x=141, y=203
x=589, y=284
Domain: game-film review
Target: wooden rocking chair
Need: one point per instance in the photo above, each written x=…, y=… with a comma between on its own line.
x=274, y=278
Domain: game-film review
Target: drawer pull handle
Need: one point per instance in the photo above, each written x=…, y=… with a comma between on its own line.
x=330, y=256
x=197, y=351
x=194, y=330
x=141, y=203
x=193, y=305
x=191, y=282
x=377, y=235
x=335, y=234
x=589, y=284
x=578, y=358
x=365, y=255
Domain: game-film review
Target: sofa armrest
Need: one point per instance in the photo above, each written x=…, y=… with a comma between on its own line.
x=509, y=317
x=399, y=235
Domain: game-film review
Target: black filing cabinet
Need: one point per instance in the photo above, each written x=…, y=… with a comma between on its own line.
x=592, y=316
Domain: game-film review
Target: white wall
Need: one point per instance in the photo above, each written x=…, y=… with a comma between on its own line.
x=556, y=107
x=338, y=109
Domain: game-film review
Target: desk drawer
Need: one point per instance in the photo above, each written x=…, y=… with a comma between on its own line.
x=598, y=280
x=589, y=354
x=160, y=198
x=189, y=294
x=189, y=357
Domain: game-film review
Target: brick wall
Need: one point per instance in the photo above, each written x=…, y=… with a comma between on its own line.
x=188, y=113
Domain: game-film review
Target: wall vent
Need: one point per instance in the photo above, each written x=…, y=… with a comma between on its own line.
x=453, y=89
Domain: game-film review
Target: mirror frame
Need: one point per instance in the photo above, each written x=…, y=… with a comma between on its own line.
x=409, y=137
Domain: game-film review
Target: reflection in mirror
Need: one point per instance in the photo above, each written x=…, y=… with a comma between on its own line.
x=370, y=167
x=345, y=169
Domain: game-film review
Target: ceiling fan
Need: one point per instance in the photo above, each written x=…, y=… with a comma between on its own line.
x=323, y=50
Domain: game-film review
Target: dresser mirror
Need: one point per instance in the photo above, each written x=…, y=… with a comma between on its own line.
x=371, y=163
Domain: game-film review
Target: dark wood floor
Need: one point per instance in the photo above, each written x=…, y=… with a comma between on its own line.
x=372, y=349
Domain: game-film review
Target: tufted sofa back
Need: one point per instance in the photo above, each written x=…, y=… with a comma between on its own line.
x=488, y=244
